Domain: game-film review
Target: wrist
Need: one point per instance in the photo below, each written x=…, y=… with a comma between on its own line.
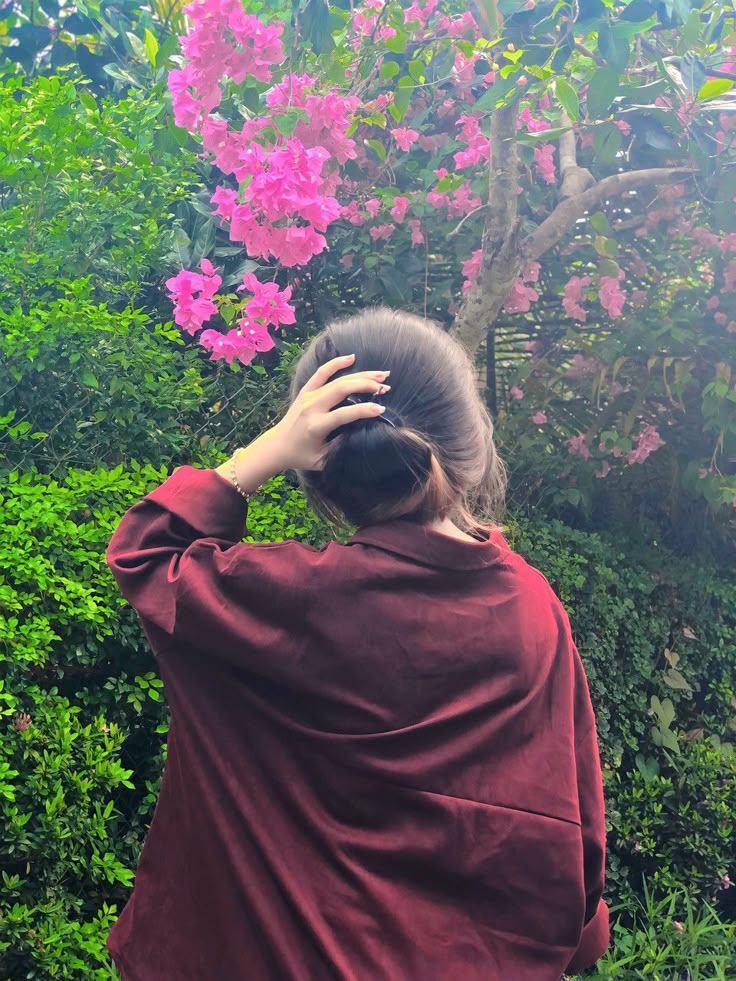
x=251, y=466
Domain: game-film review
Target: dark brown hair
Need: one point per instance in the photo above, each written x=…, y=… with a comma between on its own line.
x=431, y=454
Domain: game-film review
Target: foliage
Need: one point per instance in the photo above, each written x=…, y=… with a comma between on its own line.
x=105, y=41
x=102, y=200
x=76, y=665
x=669, y=937
x=82, y=711
x=657, y=640
x=86, y=188
x=372, y=130
x=89, y=374
x=674, y=825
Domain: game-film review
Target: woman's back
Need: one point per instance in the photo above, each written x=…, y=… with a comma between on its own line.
x=382, y=762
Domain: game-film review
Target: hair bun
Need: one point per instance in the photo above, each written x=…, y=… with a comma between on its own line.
x=377, y=454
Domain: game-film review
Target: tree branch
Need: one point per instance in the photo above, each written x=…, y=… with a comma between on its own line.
x=573, y=179
x=589, y=54
x=568, y=211
x=501, y=254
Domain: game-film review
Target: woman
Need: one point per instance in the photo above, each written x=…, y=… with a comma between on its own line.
x=382, y=763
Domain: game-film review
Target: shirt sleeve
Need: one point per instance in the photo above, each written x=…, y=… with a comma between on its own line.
x=595, y=937
x=178, y=559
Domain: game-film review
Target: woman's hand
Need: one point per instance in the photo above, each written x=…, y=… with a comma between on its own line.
x=299, y=441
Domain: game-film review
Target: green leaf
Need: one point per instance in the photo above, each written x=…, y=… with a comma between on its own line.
x=416, y=70
x=669, y=740
x=87, y=100
x=568, y=98
x=88, y=379
x=450, y=183
x=692, y=69
x=287, y=122
x=389, y=69
x=599, y=224
x=602, y=90
x=674, y=679
x=136, y=45
x=543, y=137
x=607, y=141
x=714, y=88
x=614, y=48
x=378, y=148
x=315, y=22
x=151, y=47
x=397, y=44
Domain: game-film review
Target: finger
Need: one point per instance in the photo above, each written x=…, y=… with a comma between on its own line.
x=350, y=413
x=337, y=391
x=327, y=370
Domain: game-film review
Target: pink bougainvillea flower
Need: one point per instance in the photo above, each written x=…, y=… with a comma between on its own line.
x=578, y=446
x=580, y=366
x=404, y=137
x=479, y=146
x=226, y=199
x=612, y=298
x=398, y=212
x=381, y=233
x=471, y=268
x=290, y=91
x=373, y=206
x=520, y=298
x=227, y=347
x=296, y=245
x=269, y=304
x=532, y=124
x=647, y=442
x=544, y=161
x=571, y=300
x=417, y=235
x=539, y=419
x=192, y=294
x=603, y=470
x=351, y=212
x=516, y=393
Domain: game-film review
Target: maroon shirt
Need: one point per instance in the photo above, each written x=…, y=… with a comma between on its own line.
x=382, y=763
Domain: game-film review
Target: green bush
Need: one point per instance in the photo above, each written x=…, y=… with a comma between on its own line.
x=85, y=190
x=669, y=938
x=78, y=779
x=657, y=638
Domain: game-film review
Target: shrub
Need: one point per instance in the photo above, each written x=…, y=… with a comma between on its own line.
x=669, y=937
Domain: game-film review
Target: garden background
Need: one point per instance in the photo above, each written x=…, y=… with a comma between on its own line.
x=553, y=182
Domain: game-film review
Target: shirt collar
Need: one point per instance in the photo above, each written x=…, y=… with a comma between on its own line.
x=423, y=544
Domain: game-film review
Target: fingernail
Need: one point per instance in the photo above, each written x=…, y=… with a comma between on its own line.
x=379, y=409
x=348, y=357
x=383, y=389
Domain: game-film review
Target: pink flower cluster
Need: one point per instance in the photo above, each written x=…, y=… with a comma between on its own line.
x=223, y=41
x=647, y=442
x=192, y=294
x=575, y=288
x=612, y=298
x=578, y=446
x=285, y=182
x=522, y=296
x=268, y=306
x=478, y=145
x=471, y=269
x=544, y=161
x=459, y=202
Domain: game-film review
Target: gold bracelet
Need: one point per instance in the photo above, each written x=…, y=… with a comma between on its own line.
x=234, y=476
